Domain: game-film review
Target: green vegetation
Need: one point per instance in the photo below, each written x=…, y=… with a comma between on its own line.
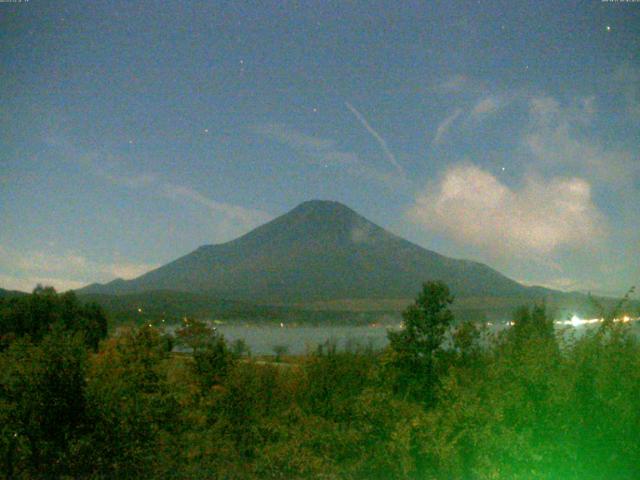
x=438, y=403
x=413, y=350
x=168, y=307
x=34, y=316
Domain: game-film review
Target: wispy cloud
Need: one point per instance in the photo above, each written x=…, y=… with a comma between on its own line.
x=28, y=283
x=627, y=80
x=445, y=125
x=456, y=83
x=294, y=138
x=460, y=84
x=245, y=216
x=554, y=141
x=475, y=103
x=325, y=152
x=22, y=270
x=486, y=106
x=231, y=219
x=381, y=141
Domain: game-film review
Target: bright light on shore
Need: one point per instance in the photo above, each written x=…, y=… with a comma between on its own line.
x=576, y=321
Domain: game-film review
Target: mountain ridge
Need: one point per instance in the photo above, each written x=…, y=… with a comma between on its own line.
x=319, y=250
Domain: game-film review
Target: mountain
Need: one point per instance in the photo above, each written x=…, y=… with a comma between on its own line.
x=10, y=293
x=319, y=251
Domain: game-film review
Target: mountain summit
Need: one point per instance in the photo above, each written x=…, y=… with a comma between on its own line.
x=320, y=250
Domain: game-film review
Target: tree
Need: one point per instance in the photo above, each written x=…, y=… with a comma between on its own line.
x=239, y=348
x=36, y=314
x=194, y=334
x=532, y=325
x=131, y=408
x=42, y=404
x=211, y=357
x=213, y=362
x=280, y=351
x=467, y=347
x=414, y=348
x=615, y=312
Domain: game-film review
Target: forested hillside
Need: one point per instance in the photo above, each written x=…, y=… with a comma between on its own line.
x=523, y=404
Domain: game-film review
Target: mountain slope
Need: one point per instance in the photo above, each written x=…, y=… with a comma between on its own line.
x=320, y=250
x=10, y=293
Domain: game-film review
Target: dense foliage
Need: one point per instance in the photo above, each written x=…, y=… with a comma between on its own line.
x=34, y=316
x=522, y=404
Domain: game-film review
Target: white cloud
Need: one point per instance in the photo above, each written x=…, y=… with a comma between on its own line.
x=22, y=270
x=473, y=207
x=445, y=125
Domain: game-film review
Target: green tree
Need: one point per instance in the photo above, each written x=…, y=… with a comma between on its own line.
x=414, y=349
x=280, y=351
x=532, y=324
x=194, y=334
x=211, y=356
x=334, y=379
x=213, y=361
x=131, y=409
x=239, y=348
x=42, y=404
x=532, y=413
x=35, y=315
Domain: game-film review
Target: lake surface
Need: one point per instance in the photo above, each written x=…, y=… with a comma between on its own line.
x=302, y=339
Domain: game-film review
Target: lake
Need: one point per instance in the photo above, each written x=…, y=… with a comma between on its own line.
x=301, y=339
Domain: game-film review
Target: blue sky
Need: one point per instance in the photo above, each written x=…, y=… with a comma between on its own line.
x=506, y=132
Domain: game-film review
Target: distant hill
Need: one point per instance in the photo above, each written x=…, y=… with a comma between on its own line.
x=172, y=307
x=10, y=293
x=319, y=251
